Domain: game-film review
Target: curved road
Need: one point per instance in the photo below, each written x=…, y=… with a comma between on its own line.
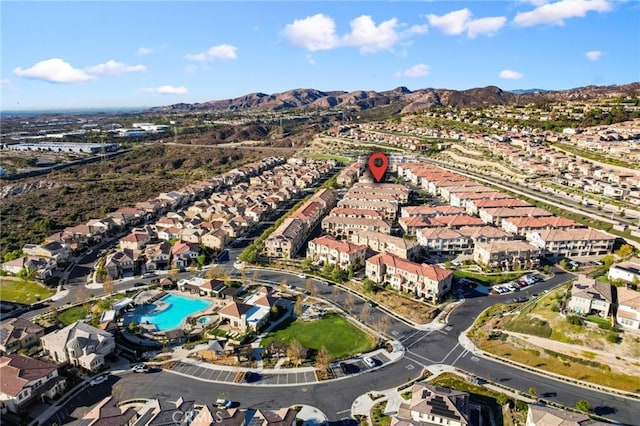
x=423, y=348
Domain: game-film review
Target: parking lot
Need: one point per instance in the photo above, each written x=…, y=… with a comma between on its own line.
x=516, y=285
x=226, y=376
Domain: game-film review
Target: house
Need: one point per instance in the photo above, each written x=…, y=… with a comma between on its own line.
x=343, y=254
x=215, y=239
x=25, y=379
x=18, y=333
x=184, y=254
x=282, y=417
x=202, y=286
x=210, y=414
x=628, y=313
x=134, y=241
x=108, y=413
x=433, y=405
x=120, y=264
x=43, y=268
x=589, y=297
x=79, y=344
x=157, y=413
x=507, y=255
x=544, y=415
x=628, y=271
x=157, y=256
x=61, y=253
x=245, y=317
x=421, y=280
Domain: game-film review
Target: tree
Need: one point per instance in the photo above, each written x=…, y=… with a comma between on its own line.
x=283, y=286
x=583, y=405
x=608, y=260
x=532, y=391
x=349, y=302
x=323, y=359
x=193, y=267
x=625, y=250
x=298, y=306
x=365, y=313
x=368, y=285
x=296, y=352
x=107, y=285
x=305, y=264
x=310, y=287
x=384, y=324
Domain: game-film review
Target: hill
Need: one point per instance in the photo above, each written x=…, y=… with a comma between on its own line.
x=409, y=100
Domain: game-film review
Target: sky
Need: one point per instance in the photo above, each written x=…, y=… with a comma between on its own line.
x=106, y=54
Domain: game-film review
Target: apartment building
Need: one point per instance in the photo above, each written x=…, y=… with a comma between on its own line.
x=343, y=227
x=572, y=242
x=343, y=254
x=507, y=255
x=385, y=243
x=418, y=279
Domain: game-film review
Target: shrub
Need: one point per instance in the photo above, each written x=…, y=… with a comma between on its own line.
x=572, y=319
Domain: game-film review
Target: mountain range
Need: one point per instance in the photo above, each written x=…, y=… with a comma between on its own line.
x=404, y=98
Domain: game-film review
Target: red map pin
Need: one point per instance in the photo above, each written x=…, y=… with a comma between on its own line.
x=378, y=163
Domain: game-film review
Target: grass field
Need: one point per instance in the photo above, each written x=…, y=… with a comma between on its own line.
x=72, y=315
x=334, y=332
x=23, y=291
x=320, y=156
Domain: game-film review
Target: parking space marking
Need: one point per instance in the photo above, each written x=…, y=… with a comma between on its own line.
x=475, y=359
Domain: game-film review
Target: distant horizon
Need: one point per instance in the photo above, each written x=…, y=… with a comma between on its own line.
x=126, y=109
x=96, y=55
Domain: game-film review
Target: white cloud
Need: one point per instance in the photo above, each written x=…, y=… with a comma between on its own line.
x=113, y=68
x=556, y=13
x=54, y=70
x=460, y=21
x=143, y=51
x=510, y=75
x=417, y=29
x=166, y=90
x=221, y=52
x=317, y=32
x=452, y=23
x=593, y=55
x=485, y=26
x=370, y=37
x=418, y=70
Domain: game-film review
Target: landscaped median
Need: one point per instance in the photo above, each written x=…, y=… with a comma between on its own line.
x=538, y=336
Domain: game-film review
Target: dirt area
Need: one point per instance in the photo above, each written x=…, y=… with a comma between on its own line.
x=410, y=309
x=481, y=163
x=626, y=365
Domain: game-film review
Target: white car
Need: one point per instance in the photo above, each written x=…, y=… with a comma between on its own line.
x=140, y=368
x=223, y=403
x=98, y=380
x=302, y=276
x=369, y=361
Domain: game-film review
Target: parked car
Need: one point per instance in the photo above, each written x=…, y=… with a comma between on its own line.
x=140, y=368
x=369, y=361
x=344, y=367
x=100, y=379
x=302, y=275
x=149, y=275
x=223, y=403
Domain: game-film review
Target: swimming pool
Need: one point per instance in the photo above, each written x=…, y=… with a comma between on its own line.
x=203, y=320
x=177, y=309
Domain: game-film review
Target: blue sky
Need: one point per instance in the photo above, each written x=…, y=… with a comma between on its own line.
x=107, y=54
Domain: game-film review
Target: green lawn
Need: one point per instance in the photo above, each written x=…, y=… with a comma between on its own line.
x=334, y=332
x=23, y=291
x=321, y=156
x=72, y=315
